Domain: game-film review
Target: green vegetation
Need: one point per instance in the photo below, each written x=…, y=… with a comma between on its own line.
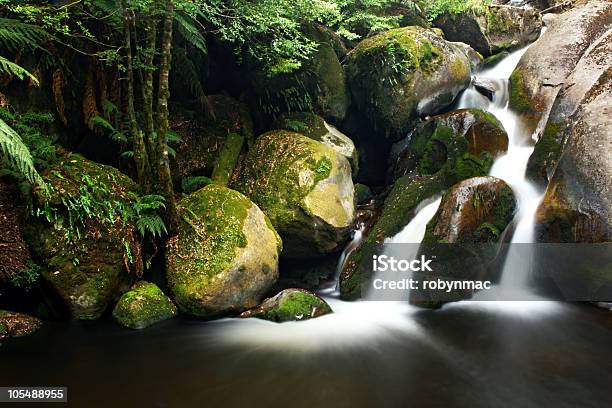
x=143, y=305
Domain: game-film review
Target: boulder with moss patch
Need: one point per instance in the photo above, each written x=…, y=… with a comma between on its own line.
x=304, y=187
x=492, y=29
x=290, y=305
x=142, y=306
x=402, y=74
x=88, y=259
x=14, y=324
x=313, y=126
x=225, y=256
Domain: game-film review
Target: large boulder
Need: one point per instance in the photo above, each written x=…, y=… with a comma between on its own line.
x=475, y=210
x=587, y=80
x=402, y=74
x=225, y=256
x=290, y=305
x=202, y=139
x=426, y=150
x=319, y=84
x=316, y=128
x=491, y=29
x=142, y=306
x=87, y=260
x=441, y=159
x=304, y=187
x=546, y=65
x=14, y=324
x=577, y=206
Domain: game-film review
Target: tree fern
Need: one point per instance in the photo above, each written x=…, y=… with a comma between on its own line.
x=16, y=35
x=12, y=69
x=17, y=154
x=187, y=28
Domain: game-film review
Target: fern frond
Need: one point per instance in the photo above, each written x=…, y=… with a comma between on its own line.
x=17, y=154
x=151, y=224
x=187, y=28
x=10, y=68
x=16, y=35
x=185, y=71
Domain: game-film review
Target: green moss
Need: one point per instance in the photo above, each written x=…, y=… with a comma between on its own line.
x=224, y=166
x=468, y=166
x=495, y=59
x=519, y=99
x=145, y=304
x=296, y=305
x=546, y=152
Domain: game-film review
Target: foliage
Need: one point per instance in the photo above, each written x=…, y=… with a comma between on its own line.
x=17, y=155
x=438, y=7
x=27, y=278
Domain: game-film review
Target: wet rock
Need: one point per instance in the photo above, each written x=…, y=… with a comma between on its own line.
x=588, y=79
x=475, y=210
x=225, y=256
x=314, y=127
x=486, y=87
x=577, y=206
x=204, y=138
x=476, y=58
x=142, y=306
x=304, y=187
x=362, y=194
x=426, y=150
x=402, y=74
x=490, y=30
x=17, y=324
x=90, y=270
x=290, y=305
x=545, y=67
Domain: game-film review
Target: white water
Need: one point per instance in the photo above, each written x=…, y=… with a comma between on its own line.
x=363, y=322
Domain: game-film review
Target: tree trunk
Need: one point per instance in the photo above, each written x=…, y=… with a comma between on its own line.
x=147, y=93
x=163, y=167
x=143, y=168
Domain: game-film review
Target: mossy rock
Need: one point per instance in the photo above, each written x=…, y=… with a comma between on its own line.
x=225, y=256
x=471, y=210
x=490, y=30
x=142, y=306
x=304, y=187
x=14, y=324
x=402, y=74
x=363, y=193
x=315, y=127
x=89, y=271
x=290, y=305
x=204, y=136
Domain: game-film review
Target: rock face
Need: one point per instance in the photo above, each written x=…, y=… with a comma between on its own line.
x=14, y=253
x=440, y=157
x=590, y=77
x=89, y=272
x=402, y=74
x=314, y=127
x=203, y=140
x=290, y=305
x=492, y=29
x=304, y=187
x=475, y=210
x=143, y=305
x=545, y=66
x=225, y=256
x=426, y=149
x=319, y=84
x=17, y=324
x=577, y=206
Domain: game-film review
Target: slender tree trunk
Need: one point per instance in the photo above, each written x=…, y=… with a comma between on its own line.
x=143, y=168
x=163, y=167
x=147, y=92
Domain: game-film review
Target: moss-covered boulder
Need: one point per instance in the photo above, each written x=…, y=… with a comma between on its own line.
x=402, y=74
x=363, y=193
x=315, y=127
x=492, y=29
x=546, y=65
x=225, y=256
x=290, y=305
x=426, y=150
x=474, y=210
x=304, y=187
x=318, y=85
x=17, y=324
x=588, y=79
x=142, y=306
x=88, y=254
x=441, y=158
x=203, y=137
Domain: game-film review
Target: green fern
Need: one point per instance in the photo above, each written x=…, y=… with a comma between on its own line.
x=10, y=68
x=187, y=28
x=17, y=154
x=16, y=35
